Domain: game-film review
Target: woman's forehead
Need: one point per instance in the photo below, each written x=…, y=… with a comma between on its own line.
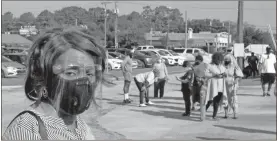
x=74, y=57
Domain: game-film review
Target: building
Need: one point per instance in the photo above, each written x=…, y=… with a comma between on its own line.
x=202, y=39
x=28, y=30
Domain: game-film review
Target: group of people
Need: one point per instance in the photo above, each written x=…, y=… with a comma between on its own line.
x=157, y=76
x=66, y=66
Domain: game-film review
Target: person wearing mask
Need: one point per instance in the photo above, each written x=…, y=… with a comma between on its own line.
x=233, y=74
x=216, y=87
x=268, y=70
x=253, y=63
x=161, y=75
x=126, y=68
x=64, y=70
x=143, y=82
x=187, y=85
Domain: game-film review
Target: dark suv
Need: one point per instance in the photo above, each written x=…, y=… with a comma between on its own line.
x=146, y=59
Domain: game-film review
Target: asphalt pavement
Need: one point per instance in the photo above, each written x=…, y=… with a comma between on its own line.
x=257, y=118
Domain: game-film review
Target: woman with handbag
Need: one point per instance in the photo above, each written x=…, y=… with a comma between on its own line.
x=65, y=68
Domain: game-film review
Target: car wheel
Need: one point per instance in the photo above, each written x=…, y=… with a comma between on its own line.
x=109, y=67
x=143, y=64
x=2, y=74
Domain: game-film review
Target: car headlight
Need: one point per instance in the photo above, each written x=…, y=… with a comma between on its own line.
x=11, y=68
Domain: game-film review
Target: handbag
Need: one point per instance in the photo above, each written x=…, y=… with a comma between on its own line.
x=41, y=126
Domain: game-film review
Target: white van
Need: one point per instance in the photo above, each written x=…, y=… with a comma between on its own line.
x=145, y=47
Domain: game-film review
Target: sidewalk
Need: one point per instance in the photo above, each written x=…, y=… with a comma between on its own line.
x=257, y=119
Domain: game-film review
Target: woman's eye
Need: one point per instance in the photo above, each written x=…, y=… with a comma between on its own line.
x=70, y=73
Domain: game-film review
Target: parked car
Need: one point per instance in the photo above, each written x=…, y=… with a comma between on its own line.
x=113, y=63
x=169, y=60
x=17, y=54
x=145, y=47
x=147, y=60
x=120, y=56
x=178, y=58
x=11, y=68
x=190, y=53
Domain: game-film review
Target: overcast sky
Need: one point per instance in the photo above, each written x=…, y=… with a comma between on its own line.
x=259, y=13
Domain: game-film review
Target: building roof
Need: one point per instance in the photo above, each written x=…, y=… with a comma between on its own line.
x=15, y=39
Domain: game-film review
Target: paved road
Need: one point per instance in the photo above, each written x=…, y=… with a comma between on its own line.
x=257, y=119
x=21, y=79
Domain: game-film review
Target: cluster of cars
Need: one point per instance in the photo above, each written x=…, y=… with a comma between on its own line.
x=14, y=58
x=146, y=56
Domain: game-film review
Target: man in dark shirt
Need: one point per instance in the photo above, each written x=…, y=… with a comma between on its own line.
x=253, y=61
x=187, y=84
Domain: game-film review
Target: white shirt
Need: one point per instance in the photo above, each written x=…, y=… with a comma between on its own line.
x=148, y=76
x=267, y=63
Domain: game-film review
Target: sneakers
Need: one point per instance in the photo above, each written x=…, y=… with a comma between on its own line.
x=150, y=103
x=186, y=114
x=127, y=101
x=142, y=105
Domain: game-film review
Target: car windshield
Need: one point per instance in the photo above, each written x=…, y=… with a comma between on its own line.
x=163, y=53
x=4, y=59
x=173, y=53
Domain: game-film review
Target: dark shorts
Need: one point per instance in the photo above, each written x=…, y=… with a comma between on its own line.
x=268, y=78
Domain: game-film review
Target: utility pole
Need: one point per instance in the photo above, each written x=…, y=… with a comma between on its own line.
x=272, y=37
x=228, y=34
x=240, y=30
x=151, y=30
x=76, y=22
x=115, y=25
x=105, y=5
x=186, y=30
x=105, y=43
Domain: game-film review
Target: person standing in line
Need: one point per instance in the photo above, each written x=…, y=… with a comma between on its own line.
x=161, y=75
x=126, y=68
x=143, y=82
x=187, y=85
x=253, y=63
x=268, y=70
x=216, y=88
x=198, y=80
x=233, y=74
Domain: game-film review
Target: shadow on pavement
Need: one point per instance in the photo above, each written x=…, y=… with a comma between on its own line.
x=249, y=95
x=206, y=138
x=241, y=129
x=170, y=114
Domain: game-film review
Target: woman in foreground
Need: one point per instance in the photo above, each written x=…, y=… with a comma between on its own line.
x=65, y=68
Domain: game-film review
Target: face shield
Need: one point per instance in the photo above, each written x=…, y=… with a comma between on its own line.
x=76, y=85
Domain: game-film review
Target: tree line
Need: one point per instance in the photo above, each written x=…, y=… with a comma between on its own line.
x=131, y=27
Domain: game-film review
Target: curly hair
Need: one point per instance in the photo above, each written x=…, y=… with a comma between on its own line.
x=48, y=47
x=217, y=58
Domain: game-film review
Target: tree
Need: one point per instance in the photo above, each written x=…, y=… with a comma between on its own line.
x=46, y=19
x=7, y=17
x=68, y=16
x=27, y=18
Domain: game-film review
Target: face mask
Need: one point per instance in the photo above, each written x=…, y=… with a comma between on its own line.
x=76, y=96
x=227, y=62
